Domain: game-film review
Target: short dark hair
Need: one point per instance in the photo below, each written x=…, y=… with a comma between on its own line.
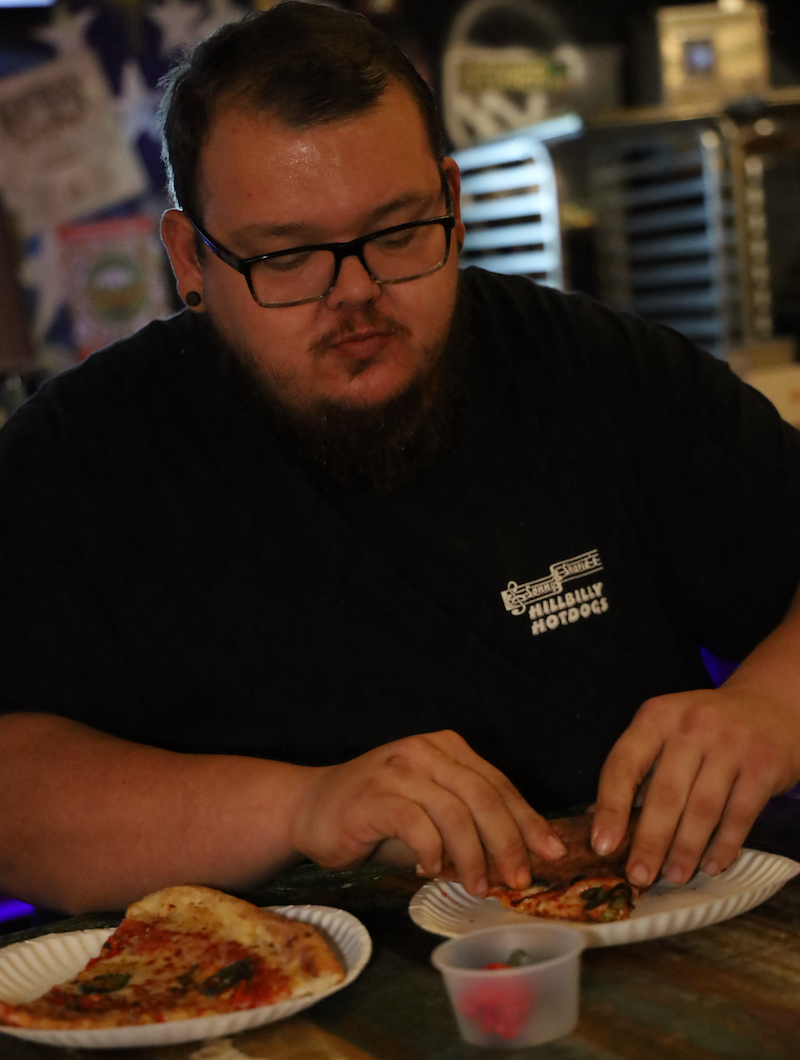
x=307, y=63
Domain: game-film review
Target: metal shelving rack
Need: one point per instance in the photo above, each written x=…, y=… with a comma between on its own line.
x=509, y=202
x=683, y=215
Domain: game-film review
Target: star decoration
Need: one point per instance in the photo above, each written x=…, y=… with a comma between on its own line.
x=67, y=32
x=137, y=103
x=41, y=270
x=178, y=21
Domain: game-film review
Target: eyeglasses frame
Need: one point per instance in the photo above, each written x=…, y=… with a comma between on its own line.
x=340, y=251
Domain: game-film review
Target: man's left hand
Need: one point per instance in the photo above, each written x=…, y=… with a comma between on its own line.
x=714, y=757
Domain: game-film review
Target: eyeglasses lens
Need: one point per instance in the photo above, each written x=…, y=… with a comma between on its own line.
x=392, y=258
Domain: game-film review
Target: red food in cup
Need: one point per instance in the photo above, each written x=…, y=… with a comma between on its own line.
x=500, y=1008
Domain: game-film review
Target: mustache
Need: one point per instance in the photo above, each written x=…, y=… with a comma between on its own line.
x=368, y=317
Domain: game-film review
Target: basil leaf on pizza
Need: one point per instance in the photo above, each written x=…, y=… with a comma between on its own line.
x=582, y=886
x=185, y=952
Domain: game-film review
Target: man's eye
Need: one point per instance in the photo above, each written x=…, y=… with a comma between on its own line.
x=286, y=262
x=397, y=241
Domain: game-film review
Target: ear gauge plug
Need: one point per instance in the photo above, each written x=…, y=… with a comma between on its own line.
x=193, y=299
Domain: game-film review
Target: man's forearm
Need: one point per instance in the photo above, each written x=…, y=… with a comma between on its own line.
x=88, y=821
x=773, y=668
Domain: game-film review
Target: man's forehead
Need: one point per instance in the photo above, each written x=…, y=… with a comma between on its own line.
x=382, y=214
x=238, y=109
x=257, y=145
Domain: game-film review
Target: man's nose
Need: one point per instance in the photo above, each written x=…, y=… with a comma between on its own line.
x=354, y=285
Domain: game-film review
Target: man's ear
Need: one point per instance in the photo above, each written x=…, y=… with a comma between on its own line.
x=178, y=236
x=453, y=176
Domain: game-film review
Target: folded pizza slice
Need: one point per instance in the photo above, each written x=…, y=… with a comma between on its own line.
x=592, y=899
x=185, y=952
x=581, y=886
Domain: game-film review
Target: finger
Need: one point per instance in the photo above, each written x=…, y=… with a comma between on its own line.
x=746, y=801
x=663, y=807
x=394, y=853
x=460, y=837
x=535, y=833
x=467, y=809
x=510, y=850
x=451, y=812
x=737, y=777
x=641, y=790
x=759, y=777
x=704, y=810
x=631, y=760
x=404, y=823
x=528, y=832
x=354, y=836
x=507, y=825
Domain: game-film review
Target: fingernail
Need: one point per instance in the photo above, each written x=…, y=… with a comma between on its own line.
x=436, y=868
x=481, y=886
x=555, y=847
x=522, y=879
x=603, y=842
x=675, y=874
x=711, y=868
x=640, y=875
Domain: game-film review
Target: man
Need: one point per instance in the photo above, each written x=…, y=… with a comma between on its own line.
x=360, y=559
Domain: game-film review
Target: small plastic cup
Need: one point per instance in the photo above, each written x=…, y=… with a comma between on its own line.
x=512, y=1007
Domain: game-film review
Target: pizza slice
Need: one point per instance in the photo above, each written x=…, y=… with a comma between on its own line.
x=581, y=886
x=185, y=952
x=592, y=899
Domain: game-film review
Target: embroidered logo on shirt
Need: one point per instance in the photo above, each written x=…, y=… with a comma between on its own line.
x=545, y=601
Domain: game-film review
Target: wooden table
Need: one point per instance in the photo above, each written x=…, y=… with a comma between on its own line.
x=731, y=990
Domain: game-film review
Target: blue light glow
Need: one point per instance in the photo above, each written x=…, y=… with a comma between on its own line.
x=12, y=908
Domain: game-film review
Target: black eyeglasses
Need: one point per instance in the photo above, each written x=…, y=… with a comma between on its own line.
x=306, y=274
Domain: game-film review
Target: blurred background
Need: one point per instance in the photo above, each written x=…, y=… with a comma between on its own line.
x=647, y=154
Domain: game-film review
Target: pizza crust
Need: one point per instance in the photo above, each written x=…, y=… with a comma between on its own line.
x=182, y=953
x=297, y=948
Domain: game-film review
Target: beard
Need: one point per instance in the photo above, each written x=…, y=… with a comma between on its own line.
x=352, y=447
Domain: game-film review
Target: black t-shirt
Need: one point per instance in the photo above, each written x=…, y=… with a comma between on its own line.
x=612, y=501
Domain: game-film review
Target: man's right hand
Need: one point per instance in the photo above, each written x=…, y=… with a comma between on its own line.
x=434, y=794
x=145, y=818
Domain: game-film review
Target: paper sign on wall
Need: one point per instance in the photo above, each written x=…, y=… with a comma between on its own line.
x=62, y=152
x=116, y=279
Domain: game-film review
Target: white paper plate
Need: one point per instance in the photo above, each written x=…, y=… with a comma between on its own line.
x=447, y=909
x=29, y=969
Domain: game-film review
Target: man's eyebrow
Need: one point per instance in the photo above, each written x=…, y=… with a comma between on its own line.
x=262, y=228
x=308, y=232
x=411, y=198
